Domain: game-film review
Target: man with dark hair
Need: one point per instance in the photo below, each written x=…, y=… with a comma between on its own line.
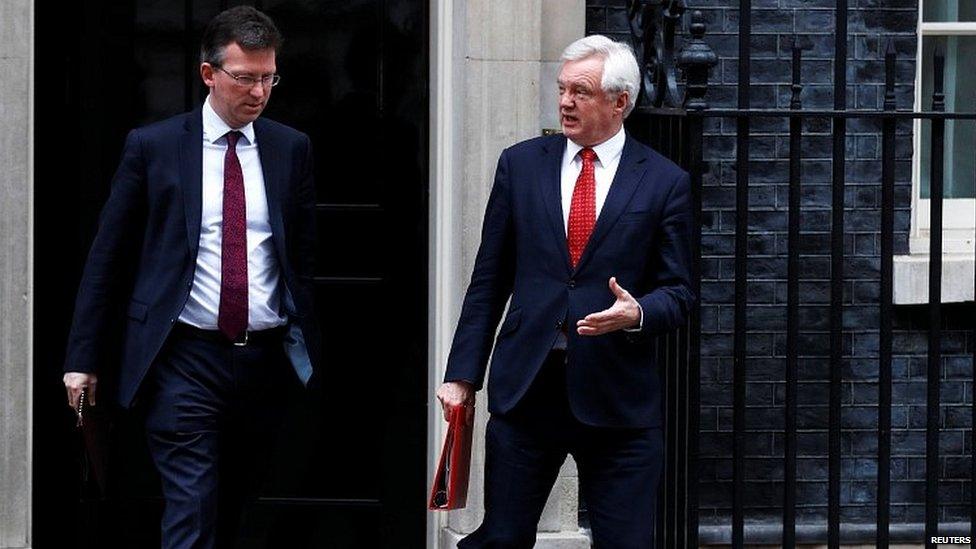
x=206, y=241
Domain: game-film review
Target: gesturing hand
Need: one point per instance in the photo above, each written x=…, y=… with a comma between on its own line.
x=624, y=313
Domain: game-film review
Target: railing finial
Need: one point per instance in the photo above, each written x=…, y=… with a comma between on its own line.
x=889, y=96
x=696, y=59
x=796, y=88
x=938, y=94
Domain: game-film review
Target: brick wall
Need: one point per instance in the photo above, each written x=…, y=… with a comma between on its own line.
x=776, y=23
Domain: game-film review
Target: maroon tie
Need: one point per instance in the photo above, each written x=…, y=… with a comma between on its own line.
x=232, y=318
x=582, y=209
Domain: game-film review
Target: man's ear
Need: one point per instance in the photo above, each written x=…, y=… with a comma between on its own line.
x=621, y=103
x=207, y=73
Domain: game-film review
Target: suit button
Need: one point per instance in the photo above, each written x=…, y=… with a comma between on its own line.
x=559, y=324
x=571, y=283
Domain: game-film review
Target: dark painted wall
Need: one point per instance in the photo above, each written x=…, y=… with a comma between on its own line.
x=775, y=23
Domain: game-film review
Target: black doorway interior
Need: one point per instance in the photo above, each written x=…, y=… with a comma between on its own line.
x=351, y=466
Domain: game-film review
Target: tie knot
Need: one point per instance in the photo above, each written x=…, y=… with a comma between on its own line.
x=232, y=137
x=588, y=155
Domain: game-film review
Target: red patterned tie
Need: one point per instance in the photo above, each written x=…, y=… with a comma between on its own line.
x=582, y=210
x=232, y=317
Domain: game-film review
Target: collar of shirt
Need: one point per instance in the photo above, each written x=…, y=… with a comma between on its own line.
x=215, y=128
x=606, y=152
x=604, y=170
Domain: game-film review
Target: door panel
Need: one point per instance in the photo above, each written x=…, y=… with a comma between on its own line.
x=350, y=467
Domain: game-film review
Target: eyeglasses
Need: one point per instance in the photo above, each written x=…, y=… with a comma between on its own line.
x=247, y=81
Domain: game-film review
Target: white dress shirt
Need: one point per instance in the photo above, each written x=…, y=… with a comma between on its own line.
x=263, y=272
x=604, y=169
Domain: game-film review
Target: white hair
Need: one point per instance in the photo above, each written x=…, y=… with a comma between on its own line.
x=620, y=70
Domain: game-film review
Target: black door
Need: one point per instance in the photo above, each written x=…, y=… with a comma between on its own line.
x=350, y=469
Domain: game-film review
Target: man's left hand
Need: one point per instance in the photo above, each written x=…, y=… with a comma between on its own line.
x=624, y=313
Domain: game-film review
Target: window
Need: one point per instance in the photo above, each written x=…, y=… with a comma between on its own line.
x=953, y=24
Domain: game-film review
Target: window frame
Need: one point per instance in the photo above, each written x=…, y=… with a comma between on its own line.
x=958, y=225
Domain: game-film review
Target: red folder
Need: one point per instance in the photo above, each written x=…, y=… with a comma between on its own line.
x=450, y=489
x=95, y=425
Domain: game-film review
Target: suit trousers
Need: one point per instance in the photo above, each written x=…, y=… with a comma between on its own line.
x=212, y=410
x=619, y=470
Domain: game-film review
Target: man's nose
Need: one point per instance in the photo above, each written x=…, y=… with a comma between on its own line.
x=565, y=99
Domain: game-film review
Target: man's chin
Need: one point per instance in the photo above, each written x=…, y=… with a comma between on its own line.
x=248, y=114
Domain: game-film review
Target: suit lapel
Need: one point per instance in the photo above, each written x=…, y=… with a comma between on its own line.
x=630, y=171
x=551, y=175
x=191, y=177
x=268, y=151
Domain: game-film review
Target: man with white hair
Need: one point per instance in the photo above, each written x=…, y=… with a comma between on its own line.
x=587, y=233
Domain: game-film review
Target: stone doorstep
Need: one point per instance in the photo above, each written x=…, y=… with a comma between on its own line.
x=547, y=540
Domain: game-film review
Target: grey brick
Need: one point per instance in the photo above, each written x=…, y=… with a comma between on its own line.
x=859, y=417
x=814, y=493
x=765, y=418
x=813, y=393
x=759, y=292
x=958, y=513
x=868, y=146
x=760, y=394
x=764, y=369
x=868, y=97
x=716, y=394
x=867, y=245
x=763, y=196
x=767, y=221
x=889, y=20
x=814, y=191
x=808, y=20
x=959, y=468
x=865, y=393
x=951, y=443
x=908, y=443
x=958, y=367
x=889, y=4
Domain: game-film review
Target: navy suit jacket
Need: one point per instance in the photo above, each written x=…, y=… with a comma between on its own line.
x=641, y=237
x=144, y=253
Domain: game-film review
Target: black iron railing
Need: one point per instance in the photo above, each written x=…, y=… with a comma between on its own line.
x=677, y=130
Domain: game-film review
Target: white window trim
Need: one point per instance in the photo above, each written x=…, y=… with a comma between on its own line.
x=911, y=271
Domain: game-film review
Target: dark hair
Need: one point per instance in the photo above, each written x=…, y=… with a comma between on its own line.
x=251, y=29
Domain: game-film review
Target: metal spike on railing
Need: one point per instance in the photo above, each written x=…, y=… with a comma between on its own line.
x=889, y=97
x=796, y=88
x=938, y=95
x=696, y=59
x=933, y=380
x=792, y=311
x=883, y=511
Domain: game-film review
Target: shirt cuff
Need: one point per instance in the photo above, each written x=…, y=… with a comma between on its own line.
x=640, y=325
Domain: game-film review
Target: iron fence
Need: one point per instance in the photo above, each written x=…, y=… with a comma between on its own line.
x=677, y=130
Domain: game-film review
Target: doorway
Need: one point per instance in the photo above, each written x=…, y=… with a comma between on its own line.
x=350, y=469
